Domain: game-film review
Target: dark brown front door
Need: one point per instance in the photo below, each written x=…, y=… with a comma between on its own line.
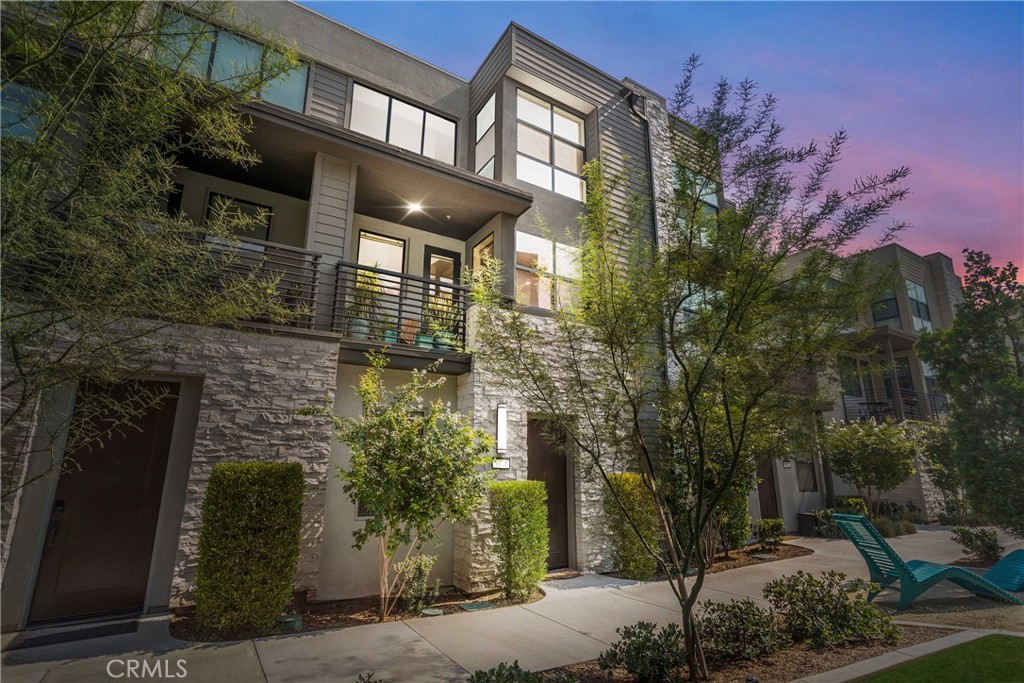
x=100, y=537
x=546, y=462
x=767, y=501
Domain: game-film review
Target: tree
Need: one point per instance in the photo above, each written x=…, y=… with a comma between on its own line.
x=100, y=103
x=874, y=457
x=979, y=364
x=715, y=331
x=414, y=466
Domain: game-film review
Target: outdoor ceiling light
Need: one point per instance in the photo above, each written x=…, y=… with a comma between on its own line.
x=501, y=430
x=415, y=206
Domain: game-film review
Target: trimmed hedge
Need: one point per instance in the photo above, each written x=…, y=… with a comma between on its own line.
x=248, y=545
x=769, y=531
x=628, y=552
x=519, y=512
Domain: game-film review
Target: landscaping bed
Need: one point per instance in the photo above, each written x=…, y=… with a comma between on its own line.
x=343, y=614
x=785, y=665
x=743, y=558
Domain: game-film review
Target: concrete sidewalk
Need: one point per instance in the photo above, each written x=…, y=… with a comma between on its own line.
x=574, y=622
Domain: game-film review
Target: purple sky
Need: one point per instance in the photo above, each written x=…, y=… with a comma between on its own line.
x=936, y=86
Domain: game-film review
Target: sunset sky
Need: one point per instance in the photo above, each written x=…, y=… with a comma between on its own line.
x=935, y=86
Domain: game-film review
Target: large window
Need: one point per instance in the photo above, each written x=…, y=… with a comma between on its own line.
x=886, y=312
x=919, y=311
x=387, y=253
x=806, y=479
x=545, y=272
x=19, y=112
x=226, y=58
x=550, y=146
x=485, y=132
x=402, y=124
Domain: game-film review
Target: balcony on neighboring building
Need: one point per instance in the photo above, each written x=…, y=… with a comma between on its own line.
x=882, y=405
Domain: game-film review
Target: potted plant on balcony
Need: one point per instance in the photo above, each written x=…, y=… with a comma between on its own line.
x=442, y=317
x=364, y=307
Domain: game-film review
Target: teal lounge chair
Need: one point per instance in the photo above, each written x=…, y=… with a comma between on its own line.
x=1008, y=573
x=916, y=576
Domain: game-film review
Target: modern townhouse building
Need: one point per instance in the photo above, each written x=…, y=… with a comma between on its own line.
x=884, y=379
x=382, y=177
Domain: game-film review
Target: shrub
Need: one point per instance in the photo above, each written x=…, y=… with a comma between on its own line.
x=513, y=673
x=823, y=612
x=769, y=531
x=520, y=516
x=734, y=518
x=853, y=505
x=890, y=528
x=982, y=543
x=417, y=592
x=248, y=545
x=652, y=655
x=628, y=552
x=739, y=630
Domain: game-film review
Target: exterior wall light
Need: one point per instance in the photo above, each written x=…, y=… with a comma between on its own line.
x=501, y=430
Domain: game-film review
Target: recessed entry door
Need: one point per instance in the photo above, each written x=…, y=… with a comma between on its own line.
x=99, y=541
x=547, y=462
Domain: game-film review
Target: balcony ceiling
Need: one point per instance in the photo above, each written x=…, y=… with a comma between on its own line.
x=455, y=202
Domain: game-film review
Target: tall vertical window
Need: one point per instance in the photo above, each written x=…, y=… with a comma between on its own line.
x=545, y=272
x=485, y=132
x=227, y=59
x=402, y=124
x=550, y=147
x=387, y=253
x=483, y=251
x=919, y=311
x=886, y=312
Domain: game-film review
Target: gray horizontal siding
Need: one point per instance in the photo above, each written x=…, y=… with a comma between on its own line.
x=486, y=79
x=330, y=94
x=620, y=138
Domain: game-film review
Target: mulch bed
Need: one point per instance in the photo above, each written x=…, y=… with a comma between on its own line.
x=785, y=665
x=972, y=561
x=744, y=558
x=341, y=614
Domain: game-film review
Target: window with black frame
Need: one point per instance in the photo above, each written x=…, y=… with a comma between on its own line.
x=402, y=124
x=885, y=312
x=550, y=146
x=919, y=311
x=224, y=57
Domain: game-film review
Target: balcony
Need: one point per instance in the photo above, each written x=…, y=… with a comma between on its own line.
x=297, y=272
x=879, y=406
x=377, y=305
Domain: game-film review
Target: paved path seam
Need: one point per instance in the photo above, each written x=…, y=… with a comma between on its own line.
x=431, y=644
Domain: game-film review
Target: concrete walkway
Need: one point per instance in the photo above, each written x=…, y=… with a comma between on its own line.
x=574, y=622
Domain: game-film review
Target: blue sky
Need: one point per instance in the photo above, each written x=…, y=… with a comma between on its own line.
x=936, y=86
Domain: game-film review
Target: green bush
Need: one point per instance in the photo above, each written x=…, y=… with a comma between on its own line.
x=628, y=552
x=734, y=518
x=890, y=528
x=982, y=543
x=519, y=513
x=739, y=629
x=248, y=545
x=823, y=612
x=652, y=655
x=770, y=531
x=853, y=505
x=513, y=673
x=414, y=573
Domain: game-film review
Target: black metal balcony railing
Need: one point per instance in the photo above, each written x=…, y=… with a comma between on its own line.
x=880, y=405
x=374, y=304
x=297, y=271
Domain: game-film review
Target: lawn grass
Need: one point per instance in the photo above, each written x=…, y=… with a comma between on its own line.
x=992, y=659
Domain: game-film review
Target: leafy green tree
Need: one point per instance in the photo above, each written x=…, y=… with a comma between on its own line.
x=714, y=329
x=874, y=457
x=979, y=364
x=100, y=104
x=414, y=466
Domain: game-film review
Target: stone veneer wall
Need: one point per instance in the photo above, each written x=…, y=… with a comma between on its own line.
x=479, y=393
x=252, y=385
